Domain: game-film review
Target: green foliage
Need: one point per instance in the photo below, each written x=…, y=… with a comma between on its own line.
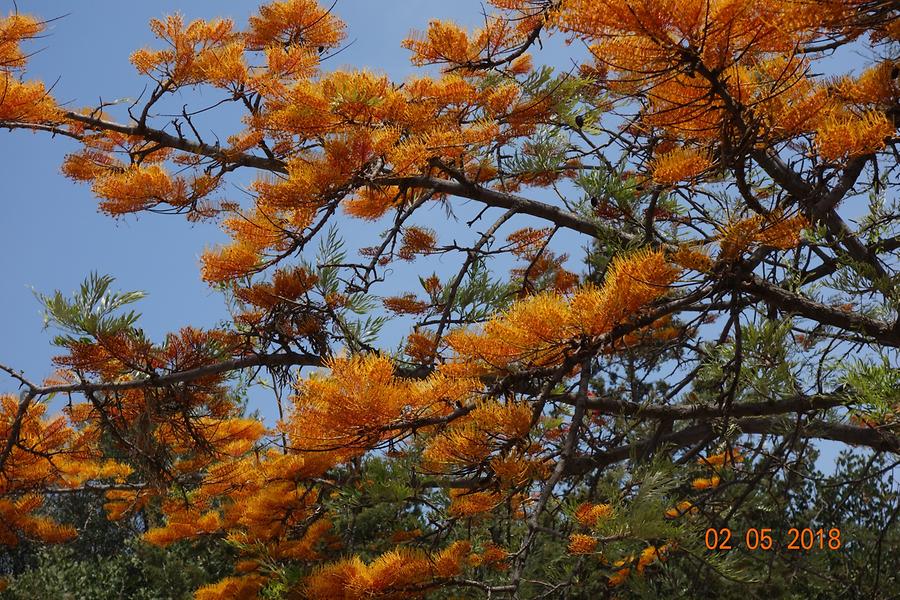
x=138, y=571
x=92, y=310
x=545, y=152
x=866, y=566
x=478, y=295
x=358, y=333
x=874, y=385
x=371, y=510
x=108, y=560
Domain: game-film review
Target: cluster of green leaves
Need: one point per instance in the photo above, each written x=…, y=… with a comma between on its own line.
x=873, y=386
x=93, y=311
x=478, y=296
x=359, y=333
x=108, y=560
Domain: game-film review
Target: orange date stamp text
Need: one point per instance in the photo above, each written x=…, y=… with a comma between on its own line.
x=804, y=539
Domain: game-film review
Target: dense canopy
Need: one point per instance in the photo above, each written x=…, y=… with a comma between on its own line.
x=648, y=284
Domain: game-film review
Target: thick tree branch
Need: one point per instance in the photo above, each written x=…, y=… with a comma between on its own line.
x=499, y=199
x=180, y=143
x=875, y=439
x=880, y=332
x=681, y=412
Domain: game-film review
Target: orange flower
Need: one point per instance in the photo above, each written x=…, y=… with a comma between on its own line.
x=681, y=164
x=416, y=240
x=706, y=483
x=842, y=137
x=580, y=543
x=589, y=514
x=619, y=577
x=692, y=259
x=720, y=460
x=406, y=304
x=680, y=509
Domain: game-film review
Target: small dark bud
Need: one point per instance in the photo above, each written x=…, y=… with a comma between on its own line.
x=594, y=201
x=579, y=121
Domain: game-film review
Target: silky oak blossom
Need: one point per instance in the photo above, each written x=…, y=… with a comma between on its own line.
x=48, y=455
x=536, y=329
x=245, y=587
x=468, y=503
x=14, y=29
x=677, y=165
x=706, y=483
x=336, y=412
x=295, y=22
x=492, y=556
x=580, y=543
x=20, y=99
x=774, y=230
x=722, y=459
x=405, y=304
x=416, y=240
x=471, y=439
x=588, y=515
x=685, y=507
x=688, y=53
x=199, y=51
x=388, y=574
x=849, y=135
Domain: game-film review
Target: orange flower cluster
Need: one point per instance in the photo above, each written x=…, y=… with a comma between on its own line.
x=406, y=304
x=372, y=202
x=492, y=556
x=259, y=502
x=536, y=330
x=449, y=44
x=50, y=454
x=13, y=30
x=844, y=136
x=722, y=459
x=350, y=410
x=388, y=575
x=201, y=51
x=588, y=515
x=775, y=231
x=470, y=440
x=698, y=63
x=142, y=184
x=421, y=346
x=682, y=164
x=690, y=258
x=648, y=556
x=326, y=131
x=24, y=101
x=416, y=240
x=468, y=503
x=237, y=588
x=287, y=286
x=580, y=543
x=304, y=23
x=682, y=508
x=706, y=483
